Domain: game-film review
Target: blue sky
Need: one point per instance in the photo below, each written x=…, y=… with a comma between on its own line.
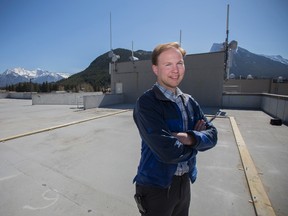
x=67, y=35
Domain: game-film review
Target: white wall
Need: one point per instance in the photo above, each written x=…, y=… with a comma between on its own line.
x=244, y=101
x=274, y=105
x=60, y=98
x=94, y=101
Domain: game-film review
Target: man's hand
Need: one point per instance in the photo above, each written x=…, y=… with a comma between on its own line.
x=200, y=125
x=188, y=139
x=184, y=138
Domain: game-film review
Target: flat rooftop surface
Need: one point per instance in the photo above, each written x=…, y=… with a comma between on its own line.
x=60, y=160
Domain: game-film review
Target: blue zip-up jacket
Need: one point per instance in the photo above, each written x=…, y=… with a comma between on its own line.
x=156, y=118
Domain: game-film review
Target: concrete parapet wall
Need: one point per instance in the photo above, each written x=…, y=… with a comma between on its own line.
x=4, y=94
x=242, y=101
x=16, y=95
x=61, y=98
x=94, y=101
x=20, y=95
x=274, y=105
x=255, y=86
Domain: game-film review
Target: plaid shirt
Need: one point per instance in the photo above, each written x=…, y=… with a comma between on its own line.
x=179, y=99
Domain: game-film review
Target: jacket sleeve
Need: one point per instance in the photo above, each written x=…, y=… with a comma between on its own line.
x=205, y=139
x=155, y=133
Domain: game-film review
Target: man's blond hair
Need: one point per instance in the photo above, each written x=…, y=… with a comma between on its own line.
x=163, y=47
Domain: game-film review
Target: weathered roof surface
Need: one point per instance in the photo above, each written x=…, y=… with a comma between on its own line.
x=59, y=160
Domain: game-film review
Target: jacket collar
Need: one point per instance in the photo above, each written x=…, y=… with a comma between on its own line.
x=159, y=95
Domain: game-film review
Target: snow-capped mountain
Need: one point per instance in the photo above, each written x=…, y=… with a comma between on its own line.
x=246, y=63
x=278, y=58
x=16, y=75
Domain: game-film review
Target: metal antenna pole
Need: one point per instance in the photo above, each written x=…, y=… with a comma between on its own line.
x=226, y=44
x=110, y=32
x=132, y=50
x=180, y=37
x=227, y=24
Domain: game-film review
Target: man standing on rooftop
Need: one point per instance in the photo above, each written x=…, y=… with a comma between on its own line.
x=173, y=129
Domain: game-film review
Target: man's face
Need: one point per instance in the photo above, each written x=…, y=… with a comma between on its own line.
x=170, y=69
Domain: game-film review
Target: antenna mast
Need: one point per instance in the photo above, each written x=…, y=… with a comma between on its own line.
x=226, y=44
x=111, y=54
x=132, y=49
x=133, y=58
x=180, y=37
x=227, y=24
x=110, y=32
